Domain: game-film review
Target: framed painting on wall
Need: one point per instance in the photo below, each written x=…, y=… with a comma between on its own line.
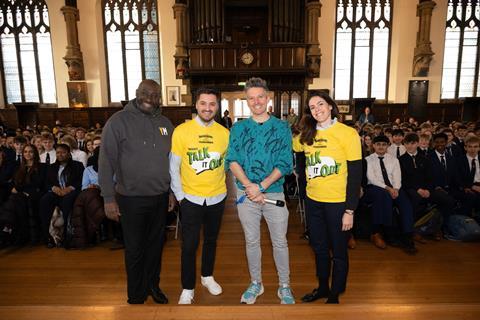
x=173, y=96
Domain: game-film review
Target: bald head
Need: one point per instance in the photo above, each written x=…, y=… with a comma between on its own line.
x=148, y=95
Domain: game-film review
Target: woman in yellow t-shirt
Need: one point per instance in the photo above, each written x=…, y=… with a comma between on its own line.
x=333, y=168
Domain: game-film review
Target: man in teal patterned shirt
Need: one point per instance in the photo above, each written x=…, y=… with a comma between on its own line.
x=259, y=156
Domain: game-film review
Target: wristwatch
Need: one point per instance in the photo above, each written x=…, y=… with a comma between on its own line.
x=262, y=190
x=348, y=211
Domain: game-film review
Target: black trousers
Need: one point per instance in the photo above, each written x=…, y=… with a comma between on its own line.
x=324, y=222
x=445, y=203
x=193, y=216
x=48, y=203
x=143, y=225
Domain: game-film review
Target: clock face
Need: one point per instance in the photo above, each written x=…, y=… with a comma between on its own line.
x=247, y=58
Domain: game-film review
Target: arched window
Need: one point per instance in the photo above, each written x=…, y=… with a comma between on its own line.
x=460, y=61
x=131, y=38
x=26, y=52
x=362, y=48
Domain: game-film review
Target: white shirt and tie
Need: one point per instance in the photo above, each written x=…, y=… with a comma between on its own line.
x=396, y=150
x=471, y=163
x=52, y=155
x=374, y=170
x=442, y=158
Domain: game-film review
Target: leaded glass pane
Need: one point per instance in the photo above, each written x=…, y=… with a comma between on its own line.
x=133, y=62
x=25, y=35
x=372, y=20
x=361, y=60
x=460, y=59
x=115, y=66
x=150, y=52
x=469, y=58
x=295, y=102
x=29, y=71
x=10, y=69
x=132, y=24
x=380, y=63
x=343, y=55
x=47, y=77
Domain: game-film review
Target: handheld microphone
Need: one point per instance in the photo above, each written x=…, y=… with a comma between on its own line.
x=278, y=203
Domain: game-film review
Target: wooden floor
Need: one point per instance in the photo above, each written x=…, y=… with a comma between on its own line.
x=441, y=282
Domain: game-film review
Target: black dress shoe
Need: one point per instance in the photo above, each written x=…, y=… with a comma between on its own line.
x=315, y=295
x=50, y=243
x=332, y=299
x=409, y=247
x=158, y=296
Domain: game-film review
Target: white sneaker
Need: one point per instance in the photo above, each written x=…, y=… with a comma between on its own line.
x=186, y=297
x=212, y=285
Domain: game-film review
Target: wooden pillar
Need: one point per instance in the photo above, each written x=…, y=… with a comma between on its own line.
x=423, y=51
x=313, y=8
x=73, y=58
x=181, y=52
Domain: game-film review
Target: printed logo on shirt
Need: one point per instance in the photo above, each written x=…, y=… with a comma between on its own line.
x=319, y=166
x=205, y=138
x=202, y=160
x=163, y=131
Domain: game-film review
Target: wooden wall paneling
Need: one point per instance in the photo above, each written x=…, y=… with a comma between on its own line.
x=380, y=112
x=275, y=58
x=218, y=58
x=64, y=115
x=229, y=58
x=9, y=117
x=264, y=58
x=287, y=56
x=46, y=116
x=194, y=58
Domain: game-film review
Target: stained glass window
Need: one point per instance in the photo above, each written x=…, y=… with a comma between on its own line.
x=460, y=60
x=131, y=37
x=362, y=48
x=26, y=52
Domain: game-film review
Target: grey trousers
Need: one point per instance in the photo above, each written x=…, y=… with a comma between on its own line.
x=250, y=215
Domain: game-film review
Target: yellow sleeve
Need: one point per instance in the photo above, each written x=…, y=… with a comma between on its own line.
x=352, y=145
x=296, y=145
x=177, y=145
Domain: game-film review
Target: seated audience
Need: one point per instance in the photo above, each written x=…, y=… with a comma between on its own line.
x=80, y=138
x=64, y=182
x=49, y=154
x=469, y=172
x=88, y=210
x=417, y=181
x=77, y=154
x=383, y=192
x=452, y=148
x=20, y=212
x=396, y=149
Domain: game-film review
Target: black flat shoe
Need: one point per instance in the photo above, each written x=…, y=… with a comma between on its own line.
x=315, y=295
x=158, y=296
x=333, y=299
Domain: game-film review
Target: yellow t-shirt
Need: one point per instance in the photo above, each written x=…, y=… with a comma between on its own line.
x=326, y=161
x=202, y=150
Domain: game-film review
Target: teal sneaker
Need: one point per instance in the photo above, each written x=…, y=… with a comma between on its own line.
x=253, y=291
x=285, y=294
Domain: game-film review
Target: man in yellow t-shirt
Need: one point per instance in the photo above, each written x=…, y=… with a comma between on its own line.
x=198, y=181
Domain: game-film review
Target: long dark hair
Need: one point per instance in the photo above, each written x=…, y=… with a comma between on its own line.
x=308, y=124
x=24, y=173
x=94, y=158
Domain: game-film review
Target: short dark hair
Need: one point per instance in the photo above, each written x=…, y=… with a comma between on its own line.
x=411, y=137
x=381, y=138
x=204, y=90
x=440, y=135
x=63, y=146
x=20, y=139
x=398, y=132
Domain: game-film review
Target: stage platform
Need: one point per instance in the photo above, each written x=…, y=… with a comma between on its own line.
x=441, y=282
